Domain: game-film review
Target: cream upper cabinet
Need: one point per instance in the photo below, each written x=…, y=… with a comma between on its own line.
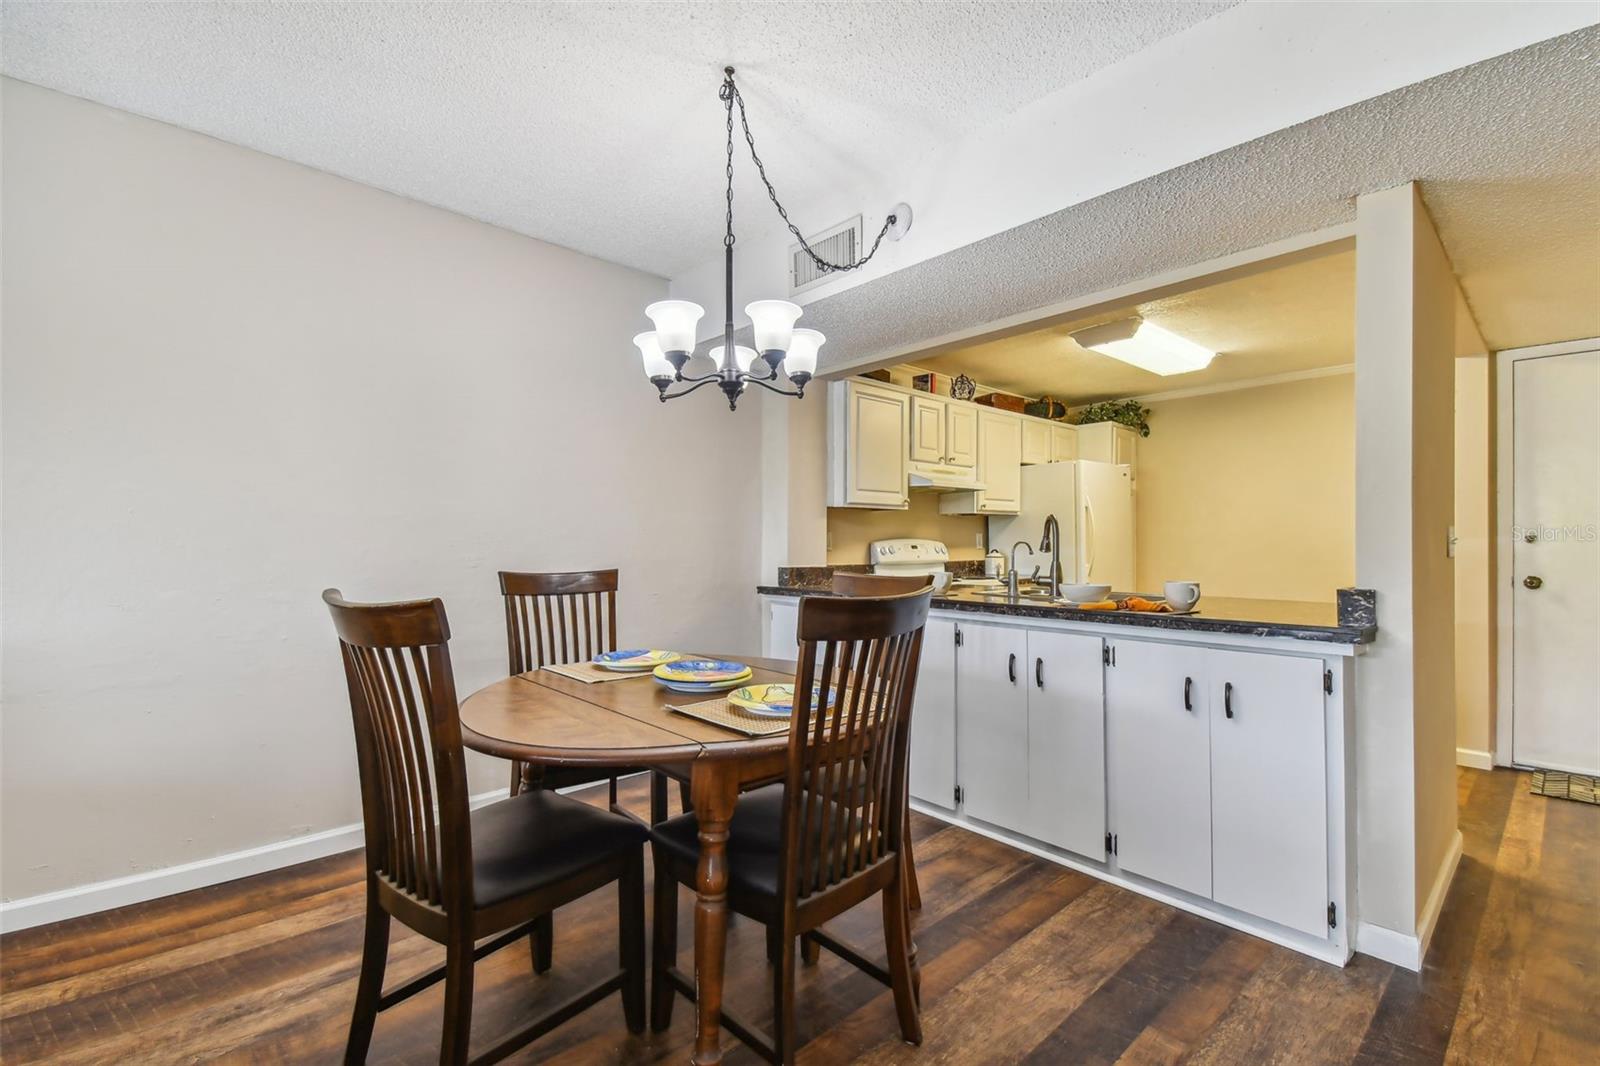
x=961, y=434
x=1063, y=443
x=1108, y=442
x=999, y=468
x=928, y=437
x=999, y=462
x=1035, y=441
x=869, y=431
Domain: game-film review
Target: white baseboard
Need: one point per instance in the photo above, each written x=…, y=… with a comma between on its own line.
x=1384, y=943
x=1477, y=760
x=1442, y=880
x=1403, y=949
x=137, y=888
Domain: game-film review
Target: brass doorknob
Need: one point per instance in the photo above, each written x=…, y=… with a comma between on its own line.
x=1531, y=582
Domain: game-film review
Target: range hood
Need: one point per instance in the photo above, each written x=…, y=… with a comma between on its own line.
x=932, y=477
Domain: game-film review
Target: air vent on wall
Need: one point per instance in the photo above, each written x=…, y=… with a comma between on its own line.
x=837, y=244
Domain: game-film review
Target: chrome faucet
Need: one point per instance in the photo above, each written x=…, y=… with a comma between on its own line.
x=1052, y=544
x=1012, y=578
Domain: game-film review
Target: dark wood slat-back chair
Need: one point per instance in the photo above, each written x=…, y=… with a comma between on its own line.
x=831, y=834
x=464, y=875
x=883, y=585
x=553, y=619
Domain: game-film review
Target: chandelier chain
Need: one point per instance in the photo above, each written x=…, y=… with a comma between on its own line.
x=730, y=94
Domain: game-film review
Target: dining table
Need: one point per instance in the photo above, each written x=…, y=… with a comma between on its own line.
x=551, y=720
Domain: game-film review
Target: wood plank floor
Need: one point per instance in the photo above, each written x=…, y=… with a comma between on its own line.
x=1023, y=961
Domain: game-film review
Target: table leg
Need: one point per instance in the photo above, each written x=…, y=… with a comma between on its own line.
x=714, y=786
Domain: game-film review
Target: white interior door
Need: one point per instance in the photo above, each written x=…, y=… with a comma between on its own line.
x=1555, y=554
x=933, y=717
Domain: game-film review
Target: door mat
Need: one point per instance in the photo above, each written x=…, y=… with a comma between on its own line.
x=1561, y=785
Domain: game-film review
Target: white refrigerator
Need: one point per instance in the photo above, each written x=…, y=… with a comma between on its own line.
x=1093, y=505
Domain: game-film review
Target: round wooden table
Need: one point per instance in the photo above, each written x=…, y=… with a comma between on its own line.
x=546, y=719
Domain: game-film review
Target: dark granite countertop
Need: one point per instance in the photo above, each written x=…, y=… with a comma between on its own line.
x=1244, y=617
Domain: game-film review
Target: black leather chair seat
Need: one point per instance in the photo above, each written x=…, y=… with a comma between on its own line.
x=538, y=838
x=754, y=836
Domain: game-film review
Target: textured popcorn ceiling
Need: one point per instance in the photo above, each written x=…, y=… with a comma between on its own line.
x=1289, y=318
x=1507, y=152
x=594, y=125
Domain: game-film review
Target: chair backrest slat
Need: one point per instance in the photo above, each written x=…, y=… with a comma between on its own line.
x=408, y=743
x=553, y=619
x=845, y=778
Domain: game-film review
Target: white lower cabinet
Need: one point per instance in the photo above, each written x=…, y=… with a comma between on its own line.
x=1158, y=762
x=1218, y=772
x=992, y=723
x=1208, y=766
x=1066, y=741
x=780, y=637
x=932, y=769
x=1269, y=813
x=1030, y=733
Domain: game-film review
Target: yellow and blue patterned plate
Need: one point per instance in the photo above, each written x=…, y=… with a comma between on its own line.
x=770, y=701
x=628, y=660
x=701, y=671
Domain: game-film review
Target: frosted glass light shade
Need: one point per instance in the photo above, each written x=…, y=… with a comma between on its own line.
x=772, y=321
x=742, y=356
x=675, y=323
x=1146, y=346
x=655, y=363
x=802, y=355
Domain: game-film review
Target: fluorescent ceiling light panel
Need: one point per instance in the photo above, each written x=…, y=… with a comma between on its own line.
x=1146, y=346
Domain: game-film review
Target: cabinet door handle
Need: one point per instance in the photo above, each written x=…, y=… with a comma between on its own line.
x=1038, y=672
x=1188, y=687
x=1011, y=668
x=1227, y=698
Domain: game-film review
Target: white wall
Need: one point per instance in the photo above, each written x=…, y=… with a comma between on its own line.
x=1405, y=348
x=1182, y=99
x=230, y=381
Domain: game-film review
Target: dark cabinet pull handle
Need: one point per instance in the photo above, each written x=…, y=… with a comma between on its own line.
x=1188, y=686
x=1227, y=699
x=1011, y=668
x=1038, y=672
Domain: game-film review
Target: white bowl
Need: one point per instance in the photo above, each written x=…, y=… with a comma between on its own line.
x=1084, y=593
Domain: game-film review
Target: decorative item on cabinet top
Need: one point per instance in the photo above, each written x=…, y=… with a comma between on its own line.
x=1002, y=401
x=962, y=388
x=1128, y=413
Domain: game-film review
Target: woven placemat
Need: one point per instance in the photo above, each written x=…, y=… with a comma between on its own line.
x=1580, y=788
x=720, y=712
x=590, y=674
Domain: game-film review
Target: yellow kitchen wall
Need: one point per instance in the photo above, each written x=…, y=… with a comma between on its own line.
x=1251, y=492
x=851, y=529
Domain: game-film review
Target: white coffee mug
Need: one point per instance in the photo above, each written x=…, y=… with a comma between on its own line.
x=1182, y=595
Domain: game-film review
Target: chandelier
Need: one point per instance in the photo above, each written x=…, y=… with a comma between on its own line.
x=667, y=348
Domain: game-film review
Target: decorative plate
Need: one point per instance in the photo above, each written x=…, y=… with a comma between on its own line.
x=701, y=671
x=769, y=701
x=629, y=659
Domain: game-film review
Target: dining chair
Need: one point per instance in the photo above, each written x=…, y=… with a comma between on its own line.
x=464, y=875
x=847, y=584
x=830, y=835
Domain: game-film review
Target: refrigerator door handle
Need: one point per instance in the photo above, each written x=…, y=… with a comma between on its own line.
x=1088, y=548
